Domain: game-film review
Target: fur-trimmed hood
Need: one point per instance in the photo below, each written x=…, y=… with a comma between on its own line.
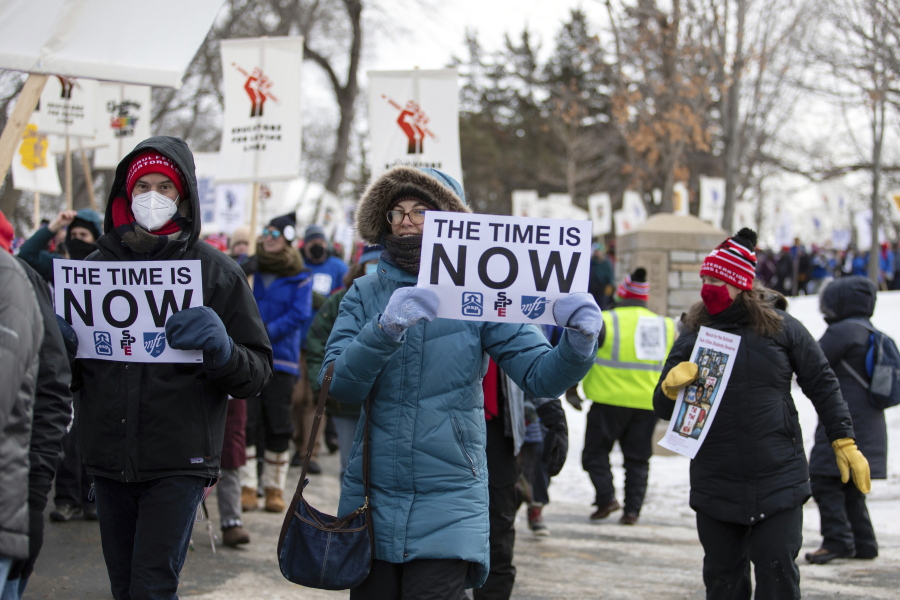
x=431, y=185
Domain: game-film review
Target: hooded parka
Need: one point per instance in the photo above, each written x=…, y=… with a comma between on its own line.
x=143, y=421
x=428, y=469
x=752, y=464
x=845, y=303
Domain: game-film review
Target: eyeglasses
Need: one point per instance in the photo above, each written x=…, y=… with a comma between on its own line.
x=272, y=233
x=416, y=217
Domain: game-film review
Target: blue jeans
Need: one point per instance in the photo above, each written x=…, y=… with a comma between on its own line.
x=145, y=530
x=346, y=429
x=14, y=589
x=5, y=564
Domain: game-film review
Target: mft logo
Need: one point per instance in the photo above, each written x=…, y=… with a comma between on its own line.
x=533, y=306
x=155, y=343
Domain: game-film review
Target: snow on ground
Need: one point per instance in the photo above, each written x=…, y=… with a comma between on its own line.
x=669, y=483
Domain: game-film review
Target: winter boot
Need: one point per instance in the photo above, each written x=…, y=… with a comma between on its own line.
x=274, y=478
x=234, y=536
x=249, y=481
x=536, y=521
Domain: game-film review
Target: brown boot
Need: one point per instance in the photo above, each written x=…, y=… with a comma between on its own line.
x=234, y=536
x=274, y=501
x=248, y=499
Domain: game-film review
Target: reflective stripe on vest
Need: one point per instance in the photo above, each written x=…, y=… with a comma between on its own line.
x=636, y=366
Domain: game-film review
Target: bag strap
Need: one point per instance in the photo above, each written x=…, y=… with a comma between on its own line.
x=317, y=421
x=859, y=378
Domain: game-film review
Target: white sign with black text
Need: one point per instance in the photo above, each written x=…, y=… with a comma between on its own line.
x=119, y=309
x=503, y=269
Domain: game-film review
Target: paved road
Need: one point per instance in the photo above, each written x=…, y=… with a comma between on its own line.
x=659, y=558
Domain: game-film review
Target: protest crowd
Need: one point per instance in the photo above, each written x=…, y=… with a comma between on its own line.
x=152, y=365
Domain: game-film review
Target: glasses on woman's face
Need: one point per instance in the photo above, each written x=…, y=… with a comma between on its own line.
x=272, y=233
x=416, y=216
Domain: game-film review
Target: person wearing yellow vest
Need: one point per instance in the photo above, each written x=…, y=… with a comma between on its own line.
x=634, y=343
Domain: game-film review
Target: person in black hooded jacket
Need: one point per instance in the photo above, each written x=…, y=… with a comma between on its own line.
x=749, y=479
x=152, y=433
x=847, y=305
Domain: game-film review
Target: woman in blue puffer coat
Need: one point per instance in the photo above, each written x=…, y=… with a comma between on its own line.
x=428, y=471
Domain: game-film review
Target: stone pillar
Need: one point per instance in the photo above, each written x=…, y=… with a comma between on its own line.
x=671, y=248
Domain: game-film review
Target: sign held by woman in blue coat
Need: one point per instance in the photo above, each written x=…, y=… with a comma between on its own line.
x=503, y=269
x=119, y=309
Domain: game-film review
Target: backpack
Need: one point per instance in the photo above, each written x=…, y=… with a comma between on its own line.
x=882, y=369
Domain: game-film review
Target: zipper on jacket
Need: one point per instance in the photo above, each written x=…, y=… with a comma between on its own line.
x=459, y=438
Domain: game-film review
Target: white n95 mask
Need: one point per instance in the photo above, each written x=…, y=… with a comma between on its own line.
x=152, y=210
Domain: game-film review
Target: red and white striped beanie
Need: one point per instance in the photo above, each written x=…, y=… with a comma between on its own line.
x=734, y=260
x=635, y=287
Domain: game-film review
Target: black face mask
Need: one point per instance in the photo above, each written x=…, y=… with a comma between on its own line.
x=79, y=249
x=316, y=252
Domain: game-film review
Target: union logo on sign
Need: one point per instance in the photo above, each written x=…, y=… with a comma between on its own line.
x=533, y=306
x=472, y=304
x=154, y=343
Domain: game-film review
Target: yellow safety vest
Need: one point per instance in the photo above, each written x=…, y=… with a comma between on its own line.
x=618, y=376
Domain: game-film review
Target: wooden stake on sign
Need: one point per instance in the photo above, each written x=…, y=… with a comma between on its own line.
x=18, y=120
x=88, y=176
x=254, y=201
x=37, y=210
x=69, y=202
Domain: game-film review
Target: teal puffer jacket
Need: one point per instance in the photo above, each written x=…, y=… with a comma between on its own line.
x=428, y=473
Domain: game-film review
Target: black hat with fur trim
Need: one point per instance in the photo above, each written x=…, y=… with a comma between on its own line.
x=431, y=186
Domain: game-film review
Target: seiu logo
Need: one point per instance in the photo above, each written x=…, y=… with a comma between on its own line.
x=533, y=306
x=155, y=343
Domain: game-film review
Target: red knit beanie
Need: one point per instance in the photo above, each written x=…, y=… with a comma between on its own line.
x=6, y=233
x=635, y=287
x=734, y=260
x=153, y=162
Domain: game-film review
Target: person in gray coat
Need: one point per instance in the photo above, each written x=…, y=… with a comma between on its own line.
x=847, y=532
x=21, y=333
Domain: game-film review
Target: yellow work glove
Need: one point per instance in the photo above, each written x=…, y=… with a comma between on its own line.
x=849, y=458
x=681, y=375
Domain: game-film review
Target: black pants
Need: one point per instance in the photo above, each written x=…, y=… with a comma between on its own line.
x=771, y=545
x=633, y=429
x=269, y=415
x=145, y=530
x=414, y=580
x=73, y=484
x=503, y=472
x=844, y=518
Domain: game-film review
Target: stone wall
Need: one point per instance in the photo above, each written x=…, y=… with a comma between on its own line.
x=671, y=248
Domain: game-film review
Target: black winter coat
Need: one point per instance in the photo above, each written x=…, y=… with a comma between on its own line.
x=844, y=301
x=752, y=464
x=141, y=421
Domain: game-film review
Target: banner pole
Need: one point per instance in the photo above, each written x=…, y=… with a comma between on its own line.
x=88, y=176
x=69, y=202
x=37, y=210
x=18, y=120
x=254, y=201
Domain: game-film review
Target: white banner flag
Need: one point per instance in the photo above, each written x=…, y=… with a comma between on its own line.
x=119, y=309
x=123, y=120
x=680, y=199
x=67, y=107
x=712, y=200
x=600, y=209
x=894, y=201
x=744, y=215
x=414, y=120
x=33, y=167
x=261, y=132
x=504, y=269
x=633, y=204
x=622, y=221
x=524, y=203
x=101, y=39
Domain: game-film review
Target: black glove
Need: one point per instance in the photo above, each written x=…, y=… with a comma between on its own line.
x=573, y=398
x=23, y=567
x=556, y=441
x=69, y=338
